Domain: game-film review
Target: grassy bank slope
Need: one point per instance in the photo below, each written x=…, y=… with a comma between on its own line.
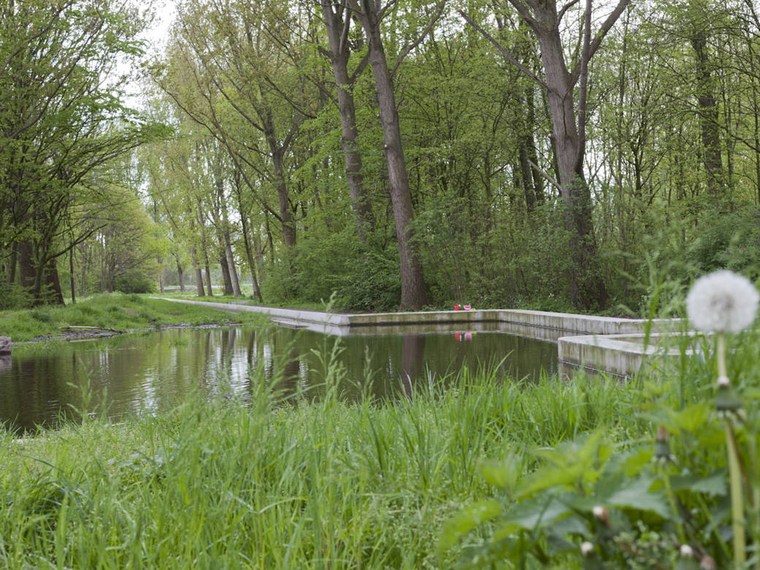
x=301, y=485
x=116, y=311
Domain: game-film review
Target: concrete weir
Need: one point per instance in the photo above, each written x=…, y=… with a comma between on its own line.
x=599, y=344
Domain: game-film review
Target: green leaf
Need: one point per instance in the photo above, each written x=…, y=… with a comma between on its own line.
x=466, y=520
x=713, y=485
x=502, y=474
x=636, y=495
x=532, y=515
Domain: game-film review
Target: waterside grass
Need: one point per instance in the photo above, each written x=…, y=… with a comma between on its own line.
x=284, y=484
x=112, y=312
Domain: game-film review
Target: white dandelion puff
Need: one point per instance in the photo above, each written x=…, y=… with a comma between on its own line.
x=722, y=302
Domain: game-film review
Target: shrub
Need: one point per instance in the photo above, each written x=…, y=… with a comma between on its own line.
x=135, y=282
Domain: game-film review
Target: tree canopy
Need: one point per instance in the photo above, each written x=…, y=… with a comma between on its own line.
x=404, y=153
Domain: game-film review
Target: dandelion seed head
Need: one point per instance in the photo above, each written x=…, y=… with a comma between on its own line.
x=722, y=302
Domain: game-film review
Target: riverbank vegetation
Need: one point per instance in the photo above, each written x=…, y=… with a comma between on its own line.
x=483, y=473
x=111, y=313
x=293, y=484
x=272, y=154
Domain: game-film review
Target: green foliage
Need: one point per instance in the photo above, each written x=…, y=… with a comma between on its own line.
x=135, y=282
x=318, y=267
x=729, y=242
x=11, y=296
x=594, y=502
x=117, y=311
x=278, y=483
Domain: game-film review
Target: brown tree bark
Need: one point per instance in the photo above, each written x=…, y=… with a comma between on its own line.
x=587, y=288
x=413, y=294
x=708, y=120
x=337, y=23
x=198, y=274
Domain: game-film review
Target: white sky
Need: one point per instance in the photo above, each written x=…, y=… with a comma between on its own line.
x=158, y=33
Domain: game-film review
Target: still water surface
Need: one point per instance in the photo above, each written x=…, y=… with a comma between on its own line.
x=147, y=373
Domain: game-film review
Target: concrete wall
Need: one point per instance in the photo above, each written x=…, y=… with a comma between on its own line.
x=602, y=344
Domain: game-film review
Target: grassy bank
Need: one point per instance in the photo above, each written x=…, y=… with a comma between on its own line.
x=117, y=312
x=296, y=485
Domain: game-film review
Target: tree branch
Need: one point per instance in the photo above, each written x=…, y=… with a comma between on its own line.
x=504, y=51
x=435, y=16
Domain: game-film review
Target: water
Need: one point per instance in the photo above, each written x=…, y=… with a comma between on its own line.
x=147, y=373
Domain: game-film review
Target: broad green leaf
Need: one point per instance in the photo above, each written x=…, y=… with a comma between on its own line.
x=466, y=520
x=503, y=474
x=532, y=515
x=714, y=485
x=636, y=495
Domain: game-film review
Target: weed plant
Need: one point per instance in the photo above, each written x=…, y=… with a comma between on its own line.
x=679, y=489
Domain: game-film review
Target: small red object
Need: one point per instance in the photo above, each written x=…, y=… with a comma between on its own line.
x=458, y=336
x=456, y=307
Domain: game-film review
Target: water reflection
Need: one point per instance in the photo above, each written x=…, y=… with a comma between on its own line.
x=147, y=373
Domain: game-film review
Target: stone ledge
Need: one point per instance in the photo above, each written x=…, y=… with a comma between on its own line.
x=602, y=344
x=620, y=355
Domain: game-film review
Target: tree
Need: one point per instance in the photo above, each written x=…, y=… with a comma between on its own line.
x=338, y=20
x=60, y=126
x=560, y=82
x=370, y=14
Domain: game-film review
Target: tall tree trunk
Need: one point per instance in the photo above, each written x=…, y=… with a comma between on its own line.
x=338, y=21
x=280, y=181
x=231, y=264
x=27, y=269
x=53, y=293
x=587, y=290
x=72, y=278
x=413, y=294
x=198, y=274
x=244, y=225
x=225, y=273
x=181, y=276
x=708, y=120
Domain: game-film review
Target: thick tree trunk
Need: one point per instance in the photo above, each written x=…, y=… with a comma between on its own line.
x=231, y=265
x=198, y=274
x=207, y=269
x=181, y=276
x=225, y=274
x=53, y=293
x=587, y=289
x=337, y=32
x=708, y=120
x=413, y=293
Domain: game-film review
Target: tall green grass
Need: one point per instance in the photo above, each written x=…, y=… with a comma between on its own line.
x=283, y=483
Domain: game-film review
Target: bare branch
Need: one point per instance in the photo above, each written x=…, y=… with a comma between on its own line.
x=504, y=51
x=524, y=12
x=564, y=9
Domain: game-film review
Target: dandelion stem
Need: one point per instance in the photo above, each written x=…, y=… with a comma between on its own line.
x=722, y=368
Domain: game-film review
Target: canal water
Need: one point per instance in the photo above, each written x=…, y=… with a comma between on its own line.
x=151, y=372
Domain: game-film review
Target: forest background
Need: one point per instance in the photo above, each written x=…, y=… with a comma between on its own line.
x=403, y=153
